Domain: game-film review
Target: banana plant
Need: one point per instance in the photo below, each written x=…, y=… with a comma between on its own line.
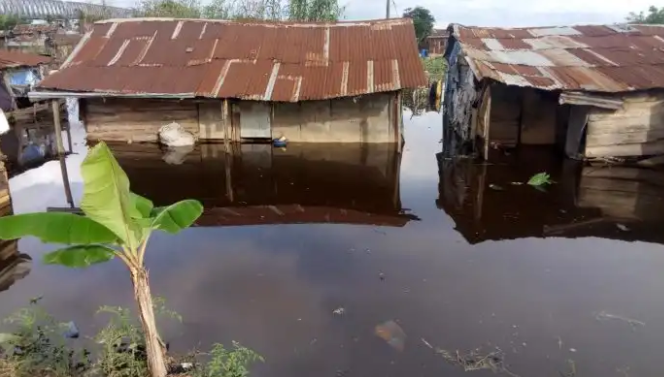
x=116, y=224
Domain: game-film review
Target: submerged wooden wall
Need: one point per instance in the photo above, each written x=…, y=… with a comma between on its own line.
x=124, y=119
x=370, y=119
x=635, y=130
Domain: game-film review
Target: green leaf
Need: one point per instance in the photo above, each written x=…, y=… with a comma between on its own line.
x=79, y=256
x=142, y=205
x=7, y=338
x=106, y=195
x=176, y=217
x=55, y=227
x=540, y=179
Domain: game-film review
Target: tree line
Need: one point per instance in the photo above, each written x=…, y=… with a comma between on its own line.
x=271, y=10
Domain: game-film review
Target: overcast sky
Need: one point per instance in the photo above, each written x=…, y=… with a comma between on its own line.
x=502, y=13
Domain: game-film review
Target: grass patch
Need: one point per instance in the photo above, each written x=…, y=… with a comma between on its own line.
x=37, y=347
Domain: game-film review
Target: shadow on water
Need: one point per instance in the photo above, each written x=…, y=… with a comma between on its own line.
x=303, y=253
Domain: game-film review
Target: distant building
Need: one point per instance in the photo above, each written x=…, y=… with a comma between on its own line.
x=222, y=80
x=436, y=42
x=591, y=91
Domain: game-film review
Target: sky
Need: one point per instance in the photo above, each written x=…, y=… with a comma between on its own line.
x=501, y=13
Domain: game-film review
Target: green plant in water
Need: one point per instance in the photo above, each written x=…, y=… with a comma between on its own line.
x=117, y=223
x=229, y=363
x=540, y=179
x=38, y=347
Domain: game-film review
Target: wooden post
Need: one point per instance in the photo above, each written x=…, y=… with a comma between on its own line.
x=55, y=106
x=65, y=181
x=228, y=167
x=226, y=125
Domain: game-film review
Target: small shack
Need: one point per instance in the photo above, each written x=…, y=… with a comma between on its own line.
x=436, y=42
x=590, y=91
x=237, y=81
x=30, y=38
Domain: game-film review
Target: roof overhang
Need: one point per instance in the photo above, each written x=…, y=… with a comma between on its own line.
x=40, y=95
x=589, y=99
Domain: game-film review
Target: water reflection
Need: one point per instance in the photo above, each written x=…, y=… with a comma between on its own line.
x=13, y=265
x=258, y=184
x=492, y=201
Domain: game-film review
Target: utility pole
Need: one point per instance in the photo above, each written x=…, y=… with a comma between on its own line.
x=387, y=8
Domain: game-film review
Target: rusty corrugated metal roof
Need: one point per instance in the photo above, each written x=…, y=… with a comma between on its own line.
x=287, y=62
x=12, y=59
x=32, y=29
x=602, y=58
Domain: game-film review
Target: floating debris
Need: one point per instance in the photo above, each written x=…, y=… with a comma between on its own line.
x=392, y=333
x=632, y=322
x=516, y=183
x=496, y=187
x=339, y=311
x=622, y=227
x=477, y=360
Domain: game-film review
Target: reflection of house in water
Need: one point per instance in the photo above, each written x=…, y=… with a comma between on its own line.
x=13, y=265
x=258, y=184
x=584, y=201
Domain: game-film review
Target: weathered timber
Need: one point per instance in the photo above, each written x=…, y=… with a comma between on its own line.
x=125, y=119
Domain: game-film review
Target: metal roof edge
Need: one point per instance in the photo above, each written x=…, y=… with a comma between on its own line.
x=396, y=21
x=54, y=94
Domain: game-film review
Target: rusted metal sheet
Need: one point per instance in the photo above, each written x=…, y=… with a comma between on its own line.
x=287, y=62
x=612, y=58
x=11, y=59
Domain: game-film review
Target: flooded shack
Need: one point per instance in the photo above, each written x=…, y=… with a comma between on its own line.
x=31, y=123
x=587, y=91
x=250, y=81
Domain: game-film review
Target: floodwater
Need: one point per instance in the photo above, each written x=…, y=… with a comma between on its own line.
x=302, y=252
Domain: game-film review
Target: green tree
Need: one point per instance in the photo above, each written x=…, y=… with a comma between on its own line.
x=170, y=8
x=8, y=21
x=315, y=10
x=654, y=16
x=423, y=21
x=117, y=223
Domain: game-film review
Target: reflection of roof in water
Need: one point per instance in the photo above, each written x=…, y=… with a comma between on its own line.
x=584, y=202
x=345, y=184
x=13, y=266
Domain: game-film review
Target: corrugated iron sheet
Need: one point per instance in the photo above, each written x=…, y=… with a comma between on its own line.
x=34, y=29
x=287, y=62
x=613, y=58
x=11, y=59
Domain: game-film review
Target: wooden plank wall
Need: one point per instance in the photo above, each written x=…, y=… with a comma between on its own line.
x=538, y=120
x=505, y=115
x=139, y=120
x=365, y=119
x=635, y=130
x=528, y=111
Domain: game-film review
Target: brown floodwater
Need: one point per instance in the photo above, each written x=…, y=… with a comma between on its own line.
x=323, y=258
